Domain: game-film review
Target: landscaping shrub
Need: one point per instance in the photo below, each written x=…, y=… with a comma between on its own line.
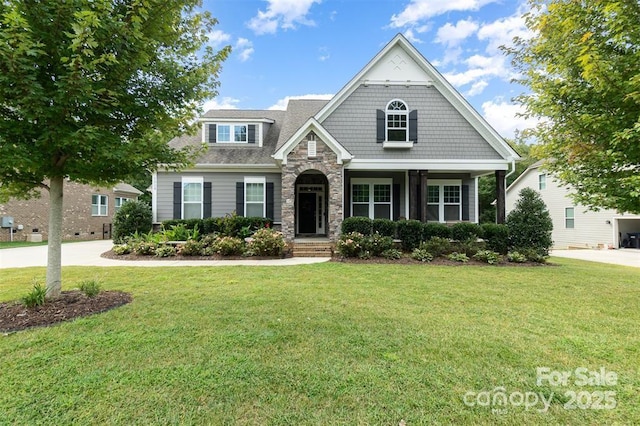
x=516, y=257
x=384, y=227
x=190, y=248
x=181, y=232
x=530, y=225
x=228, y=246
x=350, y=244
x=121, y=249
x=91, y=288
x=165, y=250
x=392, y=254
x=362, y=225
x=533, y=255
x=496, y=236
x=466, y=231
x=435, y=229
x=422, y=255
x=437, y=246
x=36, y=297
x=468, y=247
x=410, y=233
x=458, y=257
x=487, y=256
x=144, y=248
x=375, y=244
x=133, y=216
x=230, y=225
x=267, y=242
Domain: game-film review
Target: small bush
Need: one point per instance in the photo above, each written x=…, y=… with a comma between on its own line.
x=121, y=249
x=377, y=243
x=228, y=246
x=350, y=244
x=516, y=257
x=364, y=254
x=36, y=297
x=362, y=225
x=133, y=216
x=144, y=248
x=410, y=233
x=91, y=288
x=530, y=224
x=392, y=254
x=466, y=231
x=496, y=236
x=435, y=229
x=230, y=225
x=468, y=247
x=165, y=250
x=534, y=255
x=422, y=255
x=190, y=248
x=487, y=256
x=437, y=246
x=384, y=227
x=180, y=232
x=267, y=242
x=458, y=257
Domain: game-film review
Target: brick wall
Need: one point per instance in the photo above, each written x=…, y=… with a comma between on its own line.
x=78, y=223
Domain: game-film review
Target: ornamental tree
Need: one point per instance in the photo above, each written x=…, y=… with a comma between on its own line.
x=582, y=65
x=91, y=91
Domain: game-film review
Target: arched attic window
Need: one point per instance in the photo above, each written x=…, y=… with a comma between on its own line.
x=397, y=126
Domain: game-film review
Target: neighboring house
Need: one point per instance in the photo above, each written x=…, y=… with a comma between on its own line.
x=573, y=225
x=397, y=141
x=88, y=212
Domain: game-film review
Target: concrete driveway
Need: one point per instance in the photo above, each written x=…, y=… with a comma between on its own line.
x=625, y=257
x=87, y=253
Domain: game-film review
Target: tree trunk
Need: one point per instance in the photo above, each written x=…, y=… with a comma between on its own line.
x=54, y=244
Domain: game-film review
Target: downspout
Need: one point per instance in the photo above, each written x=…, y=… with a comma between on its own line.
x=513, y=169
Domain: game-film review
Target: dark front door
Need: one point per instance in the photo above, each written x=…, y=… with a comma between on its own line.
x=307, y=212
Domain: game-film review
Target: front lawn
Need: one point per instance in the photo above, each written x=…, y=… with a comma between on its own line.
x=332, y=343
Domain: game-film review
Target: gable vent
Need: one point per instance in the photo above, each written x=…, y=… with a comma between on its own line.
x=311, y=145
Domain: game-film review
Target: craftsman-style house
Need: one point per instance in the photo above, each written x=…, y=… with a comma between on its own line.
x=398, y=141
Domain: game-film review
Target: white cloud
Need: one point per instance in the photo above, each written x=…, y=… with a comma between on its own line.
x=480, y=67
x=503, y=116
x=502, y=32
x=477, y=88
x=224, y=103
x=411, y=37
x=323, y=54
x=285, y=14
x=217, y=38
x=453, y=35
x=245, y=48
x=282, y=103
x=419, y=10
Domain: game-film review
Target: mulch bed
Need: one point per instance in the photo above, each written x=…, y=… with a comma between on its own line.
x=15, y=316
x=111, y=255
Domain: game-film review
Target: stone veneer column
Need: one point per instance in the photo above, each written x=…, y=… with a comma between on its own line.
x=299, y=162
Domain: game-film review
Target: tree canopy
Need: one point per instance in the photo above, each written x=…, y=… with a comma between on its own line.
x=92, y=91
x=582, y=65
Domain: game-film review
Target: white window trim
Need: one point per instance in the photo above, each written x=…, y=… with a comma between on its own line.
x=567, y=217
x=122, y=201
x=105, y=205
x=542, y=181
x=199, y=180
x=256, y=179
x=371, y=182
x=441, y=204
x=396, y=144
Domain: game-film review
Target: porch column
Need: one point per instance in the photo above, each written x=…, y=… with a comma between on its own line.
x=413, y=194
x=501, y=209
x=423, y=195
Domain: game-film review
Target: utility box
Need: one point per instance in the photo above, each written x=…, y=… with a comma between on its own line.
x=6, y=222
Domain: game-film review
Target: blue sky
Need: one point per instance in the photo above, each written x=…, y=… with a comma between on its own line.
x=312, y=48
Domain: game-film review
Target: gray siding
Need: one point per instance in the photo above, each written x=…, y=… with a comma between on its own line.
x=443, y=133
x=223, y=191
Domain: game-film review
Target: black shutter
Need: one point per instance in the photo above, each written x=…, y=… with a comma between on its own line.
x=213, y=133
x=270, y=201
x=177, y=200
x=251, y=133
x=240, y=198
x=380, y=122
x=346, y=208
x=396, y=201
x=413, y=126
x=206, y=201
x=465, y=202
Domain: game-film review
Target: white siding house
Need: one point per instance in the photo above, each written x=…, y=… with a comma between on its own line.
x=573, y=225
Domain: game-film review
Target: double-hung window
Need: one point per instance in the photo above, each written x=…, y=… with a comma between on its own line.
x=192, y=197
x=397, y=121
x=372, y=198
x=569, y=217
x=119, y=202
x=231, y=133
x=444, y=201
x=542, y=181
x=99, y=205
x=254, y=197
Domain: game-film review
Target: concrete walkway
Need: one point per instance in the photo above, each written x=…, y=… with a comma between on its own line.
x=625, y=257
x=88, y=253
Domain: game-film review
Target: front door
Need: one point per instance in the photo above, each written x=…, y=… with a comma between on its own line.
x=310, y=215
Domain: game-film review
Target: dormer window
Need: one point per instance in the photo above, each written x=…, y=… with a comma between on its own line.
x=397, y=122
x=397, y=127
x=232, y=133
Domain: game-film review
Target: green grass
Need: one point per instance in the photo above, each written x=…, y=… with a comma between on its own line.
x=325, y=344
x=17, y=244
